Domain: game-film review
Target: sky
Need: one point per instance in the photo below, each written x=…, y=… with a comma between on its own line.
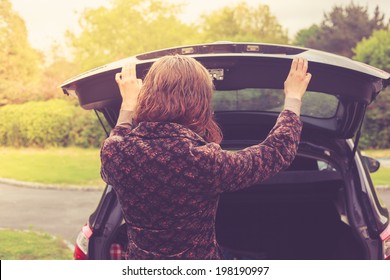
x=48, y=20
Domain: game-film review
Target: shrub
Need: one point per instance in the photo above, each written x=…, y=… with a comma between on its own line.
x=86, y=130
x=56, y=122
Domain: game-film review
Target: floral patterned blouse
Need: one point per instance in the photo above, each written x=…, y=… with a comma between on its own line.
x=168, y=180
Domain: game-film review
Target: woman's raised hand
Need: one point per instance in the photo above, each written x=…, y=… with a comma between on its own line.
x=129, y=86
x=298, y=79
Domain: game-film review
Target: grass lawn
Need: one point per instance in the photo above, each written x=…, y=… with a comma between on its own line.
x=377, y=153
x=381, y=177
x=71, y=166
x=28, y=245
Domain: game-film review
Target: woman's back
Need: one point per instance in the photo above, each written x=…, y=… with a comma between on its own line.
x=168, y=171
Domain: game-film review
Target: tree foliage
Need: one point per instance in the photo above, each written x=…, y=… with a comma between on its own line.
x=58, y=70
x=19, y=62
x=242, y=23
x=376, y=126
x=305, y=35
x=341, y=29
x=126, y=28
x=375, y=51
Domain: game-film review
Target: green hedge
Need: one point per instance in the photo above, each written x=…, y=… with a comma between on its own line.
x=57, y=123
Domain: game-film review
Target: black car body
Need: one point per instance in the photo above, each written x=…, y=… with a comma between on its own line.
x=324, y=206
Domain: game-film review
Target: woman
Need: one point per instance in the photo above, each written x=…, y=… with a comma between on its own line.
x=167, y=167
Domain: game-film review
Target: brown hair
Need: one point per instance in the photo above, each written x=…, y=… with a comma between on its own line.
x=179, y=89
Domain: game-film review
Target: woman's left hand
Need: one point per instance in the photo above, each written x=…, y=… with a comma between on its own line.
x=129, y=86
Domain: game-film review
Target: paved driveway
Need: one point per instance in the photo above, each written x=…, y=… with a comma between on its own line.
x=58, y=212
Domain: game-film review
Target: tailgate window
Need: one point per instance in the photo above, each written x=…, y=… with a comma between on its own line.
x=314, y=104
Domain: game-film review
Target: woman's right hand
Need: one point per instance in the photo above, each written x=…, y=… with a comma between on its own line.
x=129, y=86
x=298, y=79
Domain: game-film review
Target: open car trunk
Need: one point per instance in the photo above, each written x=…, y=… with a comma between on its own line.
x=301, y=213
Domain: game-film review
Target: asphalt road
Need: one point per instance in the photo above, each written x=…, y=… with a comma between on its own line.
x=58, y=212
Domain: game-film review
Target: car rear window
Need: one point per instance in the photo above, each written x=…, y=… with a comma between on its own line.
x=314, y=104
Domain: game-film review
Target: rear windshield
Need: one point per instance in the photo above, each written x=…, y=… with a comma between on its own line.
x=314, y=104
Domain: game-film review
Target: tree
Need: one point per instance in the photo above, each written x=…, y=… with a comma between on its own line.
x=342, y=29
x=376, y=126
x=376, y=51
x=242, y=23
x=57, y=70
x=305, y=35
x=126, y=28
x=19, y=62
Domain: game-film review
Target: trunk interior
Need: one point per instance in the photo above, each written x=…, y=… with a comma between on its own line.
x=286, y=221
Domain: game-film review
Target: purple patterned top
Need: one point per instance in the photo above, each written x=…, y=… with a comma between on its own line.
x=168, y=181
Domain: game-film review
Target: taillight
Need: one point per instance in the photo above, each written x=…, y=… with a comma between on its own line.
x=385, y=236
x=82, y=241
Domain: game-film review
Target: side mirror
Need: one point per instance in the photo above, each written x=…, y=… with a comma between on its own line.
x=372, y=164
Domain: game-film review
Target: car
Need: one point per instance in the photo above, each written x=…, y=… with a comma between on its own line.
x=324, y=206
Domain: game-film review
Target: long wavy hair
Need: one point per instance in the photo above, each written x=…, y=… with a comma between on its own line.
x=179, y=89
